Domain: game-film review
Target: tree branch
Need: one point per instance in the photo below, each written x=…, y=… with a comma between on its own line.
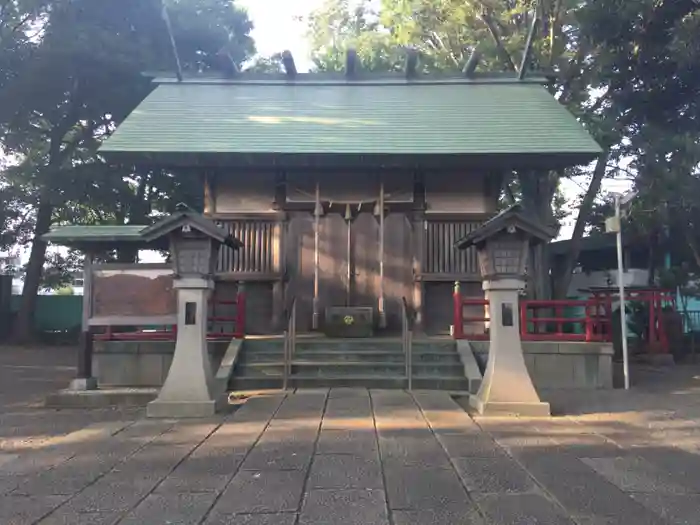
x=502, y=51
x=565, y=271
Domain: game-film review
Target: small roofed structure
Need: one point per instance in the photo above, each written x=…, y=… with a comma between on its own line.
x=139, y=294
x=514, y=216
x=510, y=233
x=139, y=236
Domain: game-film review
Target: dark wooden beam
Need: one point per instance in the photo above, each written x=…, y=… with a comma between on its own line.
x=288, y=63
x=419, y=201
x=173, y=44
x=528, y=46
x=411, y=62
x=351, y=63
x=280, y=197
x=472, y=63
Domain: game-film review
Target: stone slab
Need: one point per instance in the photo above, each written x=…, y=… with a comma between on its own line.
x=262, y=491
x=500, y=475
x=105, y=497
x=182, y=409
x=101, y=398
x=61, y=517
x=413, y=451
x=349, y=507
x=170, y=509
x=674, y=508
x=583, y=492
x=56, y=482
x=470, y=446
x=279, y=455
x=251, y=519
x=633, y=474
x=520, y=509
x=21, y=510
x=345, y=472
x=181, y=482
x=423, y=488
x=353, y=442
x=450, y=515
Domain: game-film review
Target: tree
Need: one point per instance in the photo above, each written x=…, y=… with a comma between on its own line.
x=76, y=80
x=338, y=26
x=597, y=49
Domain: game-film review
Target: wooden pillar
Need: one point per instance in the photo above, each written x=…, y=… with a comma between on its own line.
x=317, y=233
x=381, y=306
x=84, y=379
x=418, y=227
x=278, y=267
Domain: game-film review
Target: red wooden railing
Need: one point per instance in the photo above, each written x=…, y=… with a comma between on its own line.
x=657, y=300
x=169, y=332
x=557, y=325
x=549, y=321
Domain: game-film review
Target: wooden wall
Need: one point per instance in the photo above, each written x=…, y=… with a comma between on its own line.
x=277, y=261
x=364, y=263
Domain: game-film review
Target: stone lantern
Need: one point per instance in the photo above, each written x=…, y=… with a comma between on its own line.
x=502, y=244
x=188, y=390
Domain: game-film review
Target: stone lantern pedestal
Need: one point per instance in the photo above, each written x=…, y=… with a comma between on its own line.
x=506, y=387
x=188, y=390
x=502, y=245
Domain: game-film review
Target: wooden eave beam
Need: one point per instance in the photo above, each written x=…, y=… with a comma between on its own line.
x=288, y=63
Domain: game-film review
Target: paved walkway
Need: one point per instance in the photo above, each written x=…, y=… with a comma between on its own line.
x=357, y=457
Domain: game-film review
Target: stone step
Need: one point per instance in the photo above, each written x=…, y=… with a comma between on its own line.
x=359, y=356
x=300, y=381
x=364, y=381
x=348, y=368
x=440, y=383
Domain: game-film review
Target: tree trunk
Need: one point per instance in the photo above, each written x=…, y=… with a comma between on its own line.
x=24, y=327
x=537, y=193
x=563, y=279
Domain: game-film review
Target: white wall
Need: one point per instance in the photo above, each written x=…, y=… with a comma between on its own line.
x=632, y=277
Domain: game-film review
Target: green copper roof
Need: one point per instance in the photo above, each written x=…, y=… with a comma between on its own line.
x=380, y=118
x=66, y=234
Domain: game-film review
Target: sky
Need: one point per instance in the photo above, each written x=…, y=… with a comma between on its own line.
x=277, y=27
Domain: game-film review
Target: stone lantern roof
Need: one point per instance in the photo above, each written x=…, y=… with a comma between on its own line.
x=513, y=218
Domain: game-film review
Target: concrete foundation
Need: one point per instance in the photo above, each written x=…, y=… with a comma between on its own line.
x=142, y=363
x=102, y=398
x=566, y=365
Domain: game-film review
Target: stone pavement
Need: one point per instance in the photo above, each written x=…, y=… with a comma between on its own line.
x=358, y=457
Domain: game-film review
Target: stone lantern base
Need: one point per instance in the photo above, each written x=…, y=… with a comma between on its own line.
x=188, y=390
x=507, y=388
x=495, y=408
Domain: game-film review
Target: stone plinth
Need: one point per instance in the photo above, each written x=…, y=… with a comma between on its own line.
x=507, y=388
x=189, y=390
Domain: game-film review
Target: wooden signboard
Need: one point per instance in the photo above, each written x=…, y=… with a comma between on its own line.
x=132, y=294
